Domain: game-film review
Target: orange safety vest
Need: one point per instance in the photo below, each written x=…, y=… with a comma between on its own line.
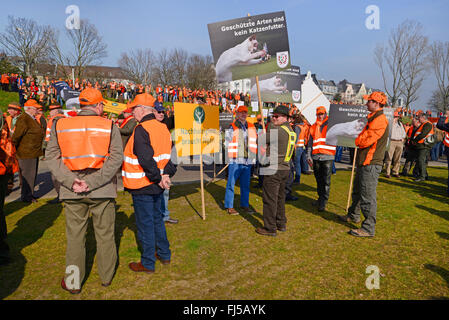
x=126, y=121
x=9, y=122
x=233, y=146
x=9, y=163
x=319, y=139
x=132, y=173
x=446, y=136
x=302, y=138
x=84, y=141
x=50, y=124
x=409, y=132
x=418, y=132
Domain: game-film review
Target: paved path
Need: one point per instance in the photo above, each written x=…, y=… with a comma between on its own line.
x=185, y=174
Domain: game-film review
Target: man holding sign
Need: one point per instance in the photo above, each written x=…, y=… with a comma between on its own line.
x=371, y=142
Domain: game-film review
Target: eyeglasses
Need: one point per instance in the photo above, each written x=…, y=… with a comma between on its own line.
x=275, y=116
x=160, y=112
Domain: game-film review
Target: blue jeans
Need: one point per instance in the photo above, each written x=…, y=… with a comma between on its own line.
x=334, y=170
x=435, y=152
x=151, y=229
x=236, y=172
x=338, y=154
x=298, y=163
x=164, y=204
x=448, y=174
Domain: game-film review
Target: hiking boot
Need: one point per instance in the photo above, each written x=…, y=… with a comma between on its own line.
x=265, y=232
x=248, y=210
x=348, y=219
x=232, y=211
x=360, y=233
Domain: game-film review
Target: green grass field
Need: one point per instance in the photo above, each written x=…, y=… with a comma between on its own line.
x=223, y=258
x=242, y=72
x=6, y=98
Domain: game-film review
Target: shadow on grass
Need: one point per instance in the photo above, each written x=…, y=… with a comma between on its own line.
x=14, y=206
x=441, y=213
x=423, y=188
x=443, y=235
x=29, y=229
x=443, y=273
x=306, y=203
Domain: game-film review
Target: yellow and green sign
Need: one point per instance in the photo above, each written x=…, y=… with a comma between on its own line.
x=196, y=129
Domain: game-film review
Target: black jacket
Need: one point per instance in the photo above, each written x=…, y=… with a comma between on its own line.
x=144, y=152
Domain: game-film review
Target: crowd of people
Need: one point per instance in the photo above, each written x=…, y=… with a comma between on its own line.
x=86, y=151
x=46, y=94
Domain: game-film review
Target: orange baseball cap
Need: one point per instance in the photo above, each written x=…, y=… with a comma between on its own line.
x=143, y=99
x=14, y=106
x=377, y=96
x=31, y=103
x=242, y=109
x=55, y=106
x=321, y=110
x=90, y=96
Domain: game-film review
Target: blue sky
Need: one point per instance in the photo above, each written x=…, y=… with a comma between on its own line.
x=327, y=37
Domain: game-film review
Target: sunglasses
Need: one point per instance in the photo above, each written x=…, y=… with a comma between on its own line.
x=160, y=112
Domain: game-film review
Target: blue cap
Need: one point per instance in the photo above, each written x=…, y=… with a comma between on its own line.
x=158, y=106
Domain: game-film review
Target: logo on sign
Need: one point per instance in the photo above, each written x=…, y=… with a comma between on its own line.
x=114, y=104
x=199, y=115
x=282, y=59
x=296, y=95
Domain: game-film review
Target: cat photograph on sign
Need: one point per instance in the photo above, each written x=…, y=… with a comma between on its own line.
x=281, y=86
x=249, y=46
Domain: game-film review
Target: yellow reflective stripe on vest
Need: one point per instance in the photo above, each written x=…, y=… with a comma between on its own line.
x=291, y=144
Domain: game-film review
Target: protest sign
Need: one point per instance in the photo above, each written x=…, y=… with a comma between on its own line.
x=249, y=46
x=114, y=107
x=196, y=133
x=345, y=124
x=347, y=121
x=68, y=94
x=255, y=106
x=196, y=129
x=225, y=120
x=61, y=85
x=280, y=86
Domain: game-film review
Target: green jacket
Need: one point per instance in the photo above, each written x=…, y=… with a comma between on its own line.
x=28, y=137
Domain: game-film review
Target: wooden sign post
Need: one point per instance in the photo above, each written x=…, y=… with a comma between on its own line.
x=352, y=180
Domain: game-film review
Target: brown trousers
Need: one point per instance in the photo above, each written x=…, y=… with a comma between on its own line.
x=393, y=158
x=274, y=200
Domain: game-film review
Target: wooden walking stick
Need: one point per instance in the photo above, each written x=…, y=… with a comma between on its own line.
x=217, y=174
x=352, y=180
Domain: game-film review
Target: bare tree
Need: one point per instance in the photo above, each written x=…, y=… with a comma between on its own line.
x=28, y=40
x=437, y=103
x=163, y=69
x=178, y=60
x=138, y=65
x=200, y=72
x=439, y=59
x=393, y=58
x=415, y=65
x=87, y=48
